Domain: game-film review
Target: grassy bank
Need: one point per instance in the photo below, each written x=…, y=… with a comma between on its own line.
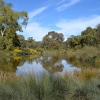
x=86, y=54
x=49, y=87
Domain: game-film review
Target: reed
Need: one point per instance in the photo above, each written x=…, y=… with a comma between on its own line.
x=87, y=74
x=88, y=53
x=49, y=87
x=31, y=87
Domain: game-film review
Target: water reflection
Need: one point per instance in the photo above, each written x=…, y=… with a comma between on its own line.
x=38, y=65
x=75, y=62
x=8, y=64
x=28, y=68
x=54, y=64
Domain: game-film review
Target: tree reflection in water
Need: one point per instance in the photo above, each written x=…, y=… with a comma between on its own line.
x=51, y=64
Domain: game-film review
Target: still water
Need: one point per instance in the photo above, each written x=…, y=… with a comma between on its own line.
x=22, y=65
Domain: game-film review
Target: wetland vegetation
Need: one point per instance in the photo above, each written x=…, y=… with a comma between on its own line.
x=50, y=69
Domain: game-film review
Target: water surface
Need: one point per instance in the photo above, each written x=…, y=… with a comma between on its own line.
x=22, y=65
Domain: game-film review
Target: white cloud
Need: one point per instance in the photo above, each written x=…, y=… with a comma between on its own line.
x=36, y=12
x=66, y=5
x=36, y=31
x=60, y=2
x=76, y=26
x=67, y=27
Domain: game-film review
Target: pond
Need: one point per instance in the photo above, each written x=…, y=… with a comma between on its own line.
x=22, y=65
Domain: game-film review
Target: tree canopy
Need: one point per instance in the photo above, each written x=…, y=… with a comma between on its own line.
x=52, y=40
x=9, y=23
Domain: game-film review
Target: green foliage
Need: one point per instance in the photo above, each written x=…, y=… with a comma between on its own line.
x=29, y=43
x=26, y=49
x=40, y=50
x=9, y=25
x=86, y=74
x=87, y=38
x=48, y=87
x=52, y=40
x=1, y=43
x=86, y=45
x=9, y=40
x=21, y=39
x=88, y=53
x=45, y=87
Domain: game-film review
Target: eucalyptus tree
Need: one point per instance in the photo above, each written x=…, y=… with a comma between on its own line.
x=53, y=40
x=98, y=34
x=87, y=37
x=58, y=37
x=46, y=42
x=11, y=20
x=31, y=42
x=21, y=39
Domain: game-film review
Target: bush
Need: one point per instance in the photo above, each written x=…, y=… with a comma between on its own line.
x=40, y=50
x=17, y=50
x=88, y=53
x=33, y=51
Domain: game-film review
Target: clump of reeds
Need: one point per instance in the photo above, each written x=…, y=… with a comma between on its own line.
x=83, y=87
x=88, y=53
x=31, y=87
x=81, y=90
x=49, y=87
x=5, y=76
x=87, y=74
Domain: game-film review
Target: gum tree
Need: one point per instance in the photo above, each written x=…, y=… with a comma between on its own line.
x=11, y=20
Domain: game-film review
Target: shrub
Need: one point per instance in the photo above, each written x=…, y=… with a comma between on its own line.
x=33, y=51
x=87, y=74
x=87, y=53
x=17, y=50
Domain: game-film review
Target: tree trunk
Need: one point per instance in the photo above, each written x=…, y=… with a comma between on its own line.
x=2, y=32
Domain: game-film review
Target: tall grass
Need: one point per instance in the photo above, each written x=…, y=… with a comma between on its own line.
x=49, y=87
x=87, y=74
x=45, y=87
x=49, y=53
x=84, y=84
x=88, y=53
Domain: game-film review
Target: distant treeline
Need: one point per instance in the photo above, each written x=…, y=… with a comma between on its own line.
x=9, y=39
x=88, y=37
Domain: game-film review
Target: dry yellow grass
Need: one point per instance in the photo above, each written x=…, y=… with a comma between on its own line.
x=87, y=74
x=84, y=75
x=4, y=77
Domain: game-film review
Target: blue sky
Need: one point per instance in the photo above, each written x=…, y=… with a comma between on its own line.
x=69, y=17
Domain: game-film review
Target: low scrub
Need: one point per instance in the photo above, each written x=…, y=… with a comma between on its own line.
x=87, y=74
x=49, y=87
x=88, y=53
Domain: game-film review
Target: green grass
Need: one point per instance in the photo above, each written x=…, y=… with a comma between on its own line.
x=46, y=87
x=88, y=53
x=49, y=53
x=49, y=87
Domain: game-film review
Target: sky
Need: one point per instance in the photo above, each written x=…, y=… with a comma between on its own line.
x=69, y=17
